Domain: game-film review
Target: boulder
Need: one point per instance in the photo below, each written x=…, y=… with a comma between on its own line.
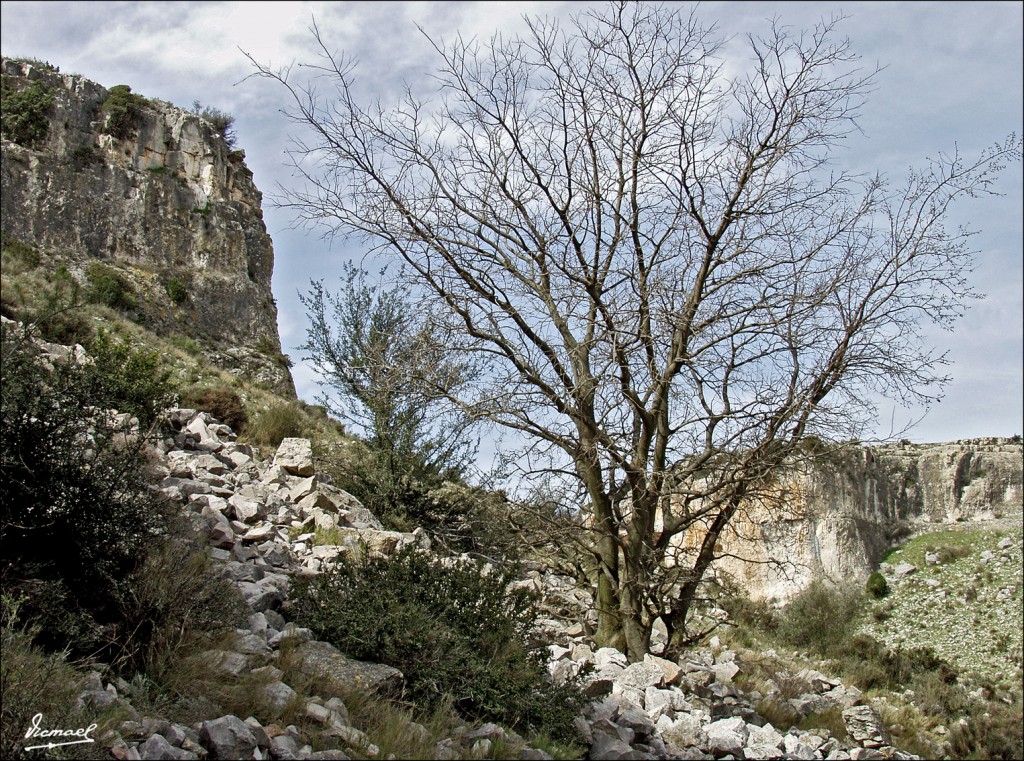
x=227, y=738
x=865, y=726
x=726, y=736
x=340, y=674
x=159, y=749
x=295, y=456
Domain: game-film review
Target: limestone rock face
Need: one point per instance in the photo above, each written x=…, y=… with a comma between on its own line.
x=835, y=520
x=169, y=201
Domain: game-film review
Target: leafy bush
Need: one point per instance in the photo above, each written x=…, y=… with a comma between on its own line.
x=390, y=370
x=454, y=630
x=123, y=109
x=176, y=290
x=83, y=156
x=877, y=586
x=77, y=504
x=51, y=300
x=127, y=379
x=24, y=112
x=221, y=402
x=109, y=287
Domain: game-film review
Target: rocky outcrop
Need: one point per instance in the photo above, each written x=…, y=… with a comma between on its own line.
x=835, y=519
x=164, y=201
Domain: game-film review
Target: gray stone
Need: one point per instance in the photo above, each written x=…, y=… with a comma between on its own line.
x=158, y=748
x=295, y=633
x=607, y=747
x=247, y=510
x=865, y=726
x=284, y=748
x=670, y=671
x=766, y=736
x=725, y=672
x=258, y=732
x=278, y=695
x=262, y=595
x=341, y=674
x=685, y=731
x=227, y=738
x=607, y=656
x=640, y=676
x=904, y=569
x=302, y=488
x=797, y=749
x=295, y=456
x=726, y=735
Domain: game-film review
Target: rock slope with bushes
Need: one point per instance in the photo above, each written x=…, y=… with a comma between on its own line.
x=270, y=524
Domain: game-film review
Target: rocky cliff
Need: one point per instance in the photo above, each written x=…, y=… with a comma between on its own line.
x=835, y=519
x=154, y=192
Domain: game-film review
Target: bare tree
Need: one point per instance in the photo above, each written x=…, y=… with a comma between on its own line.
x=669, y=285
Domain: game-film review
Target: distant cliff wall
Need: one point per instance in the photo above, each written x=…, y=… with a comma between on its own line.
x=835, y=520
x=164, y=199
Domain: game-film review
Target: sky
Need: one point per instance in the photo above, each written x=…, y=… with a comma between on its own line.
x=952, y=77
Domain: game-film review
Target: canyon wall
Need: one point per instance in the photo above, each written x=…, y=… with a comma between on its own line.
x=837, y=518
x=162, y=199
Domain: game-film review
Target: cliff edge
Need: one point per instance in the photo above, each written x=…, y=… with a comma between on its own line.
x=156, y=193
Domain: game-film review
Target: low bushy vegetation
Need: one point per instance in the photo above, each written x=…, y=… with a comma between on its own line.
x=48, y=297
x=825, y=621
x=276, y=422
x=34, y=681
x=176, y=290
x=223, y=122
x=24, y=112
x=109, y=287
x=453, y=629
x=128, y=379
x=123, y=110
x=222, y=402
x=77, y=505
x=877, y=586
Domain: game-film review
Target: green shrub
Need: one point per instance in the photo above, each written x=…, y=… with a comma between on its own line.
x=276, y=423
x=870, y=665
x=24, y=113
x=124, y=110
x=176, y=290
x=128, y=379
x=877, y=586
x=221, y=402
x=108, y=286
x=52, y=302
x=223, y=122
x=21, y=255
x=454, y=630
x=820, y=617
x=78, y=507
x=758, y=615
x=83, y=156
